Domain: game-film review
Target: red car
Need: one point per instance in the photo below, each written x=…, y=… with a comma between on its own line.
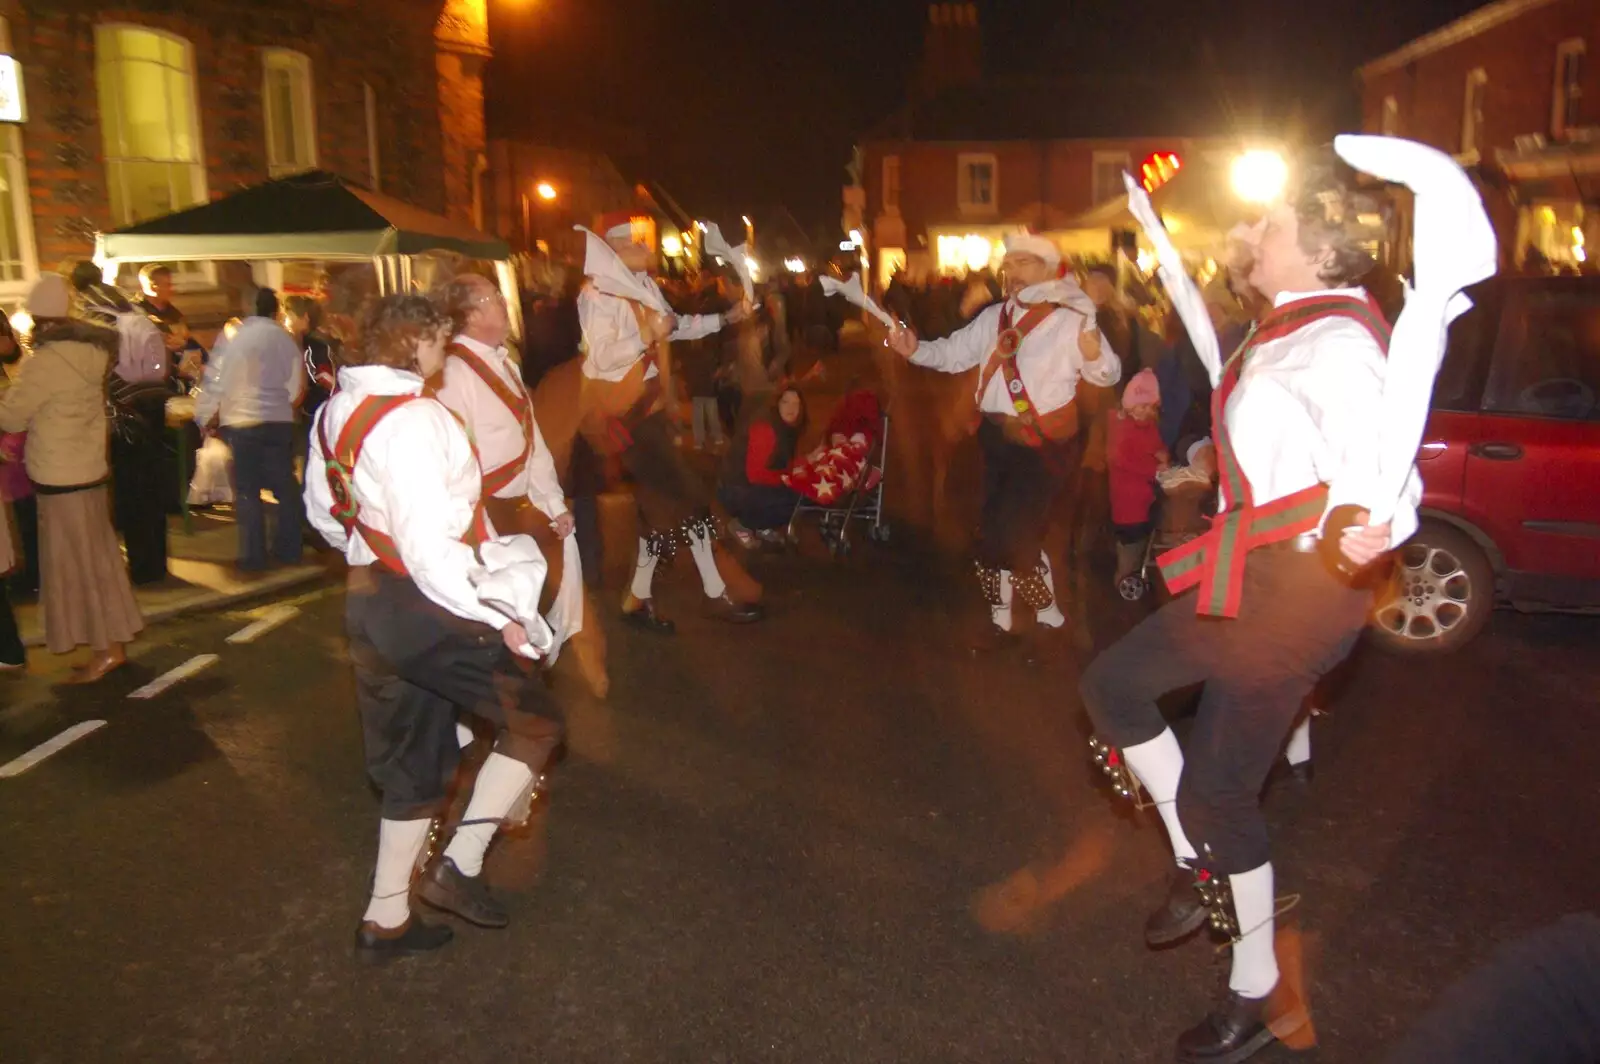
x=1511, y=468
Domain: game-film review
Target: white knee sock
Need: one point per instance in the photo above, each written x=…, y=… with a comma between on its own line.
x=463, y=735
x=1051, y=616
x=1255, y=965
x=1159, y=765
x=1298, y=751
x=400, y=842
x=500, y=781
x=706, y=562
x=1002, y=612
x=644, y=571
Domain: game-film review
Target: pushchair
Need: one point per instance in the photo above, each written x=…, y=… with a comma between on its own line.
x=1183, y=511
x=863, y=503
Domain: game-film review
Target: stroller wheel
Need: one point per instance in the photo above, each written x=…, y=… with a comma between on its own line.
x=880, y=533
x=1132, y=588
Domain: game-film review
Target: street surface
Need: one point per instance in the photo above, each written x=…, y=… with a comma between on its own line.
x=829, y=837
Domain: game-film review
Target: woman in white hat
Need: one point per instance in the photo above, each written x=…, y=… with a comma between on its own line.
x=59, y=399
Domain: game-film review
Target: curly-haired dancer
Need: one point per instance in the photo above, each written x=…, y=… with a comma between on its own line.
x=1305, y=416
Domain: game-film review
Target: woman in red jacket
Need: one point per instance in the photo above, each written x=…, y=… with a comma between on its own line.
x=752, y=487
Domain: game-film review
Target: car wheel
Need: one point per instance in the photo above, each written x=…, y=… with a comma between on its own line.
x=1439, y=595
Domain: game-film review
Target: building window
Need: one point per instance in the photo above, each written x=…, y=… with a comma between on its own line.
x=291, y=112
x=370, y=98
x=1567, y=112
x=1472, y=112
x=891, y=182
x=1389, y=124
x=1109, y=166
x=976, y=178
x=17, y=262
x=145, y=80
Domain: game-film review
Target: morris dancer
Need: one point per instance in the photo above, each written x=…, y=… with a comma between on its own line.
x=1298, y=420
x=401, y=498
x=522, y=493
x=628, y=391
x=1034, y=348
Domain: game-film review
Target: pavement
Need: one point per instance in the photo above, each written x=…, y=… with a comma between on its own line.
x=201, y=574
x=829, y=837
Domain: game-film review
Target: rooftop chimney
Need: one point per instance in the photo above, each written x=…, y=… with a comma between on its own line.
x=952, y=55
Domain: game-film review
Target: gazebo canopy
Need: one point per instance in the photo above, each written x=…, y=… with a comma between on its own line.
x=314, y=215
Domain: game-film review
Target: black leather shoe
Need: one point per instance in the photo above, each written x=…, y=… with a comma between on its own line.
x=444, y=887
x=1304, y=773
x=1232, y=1032
x=644, y=616
x=380, y=945
x=1180, y=916
x=724, y=608
x=991, y=639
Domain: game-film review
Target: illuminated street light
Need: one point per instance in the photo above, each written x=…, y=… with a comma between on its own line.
x=546, y=191
x=1259, y=176
x=795, y=265
x=671, y=246
x=856, y=239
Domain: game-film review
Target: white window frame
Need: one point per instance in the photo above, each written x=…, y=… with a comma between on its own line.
x=1472, y=117
x=964, y=203
x=369, y=100
x=303, y=85
x=1099, y=195
x=891, y=180
x=1560, y=94
x=1389, y=118
x=15, y=163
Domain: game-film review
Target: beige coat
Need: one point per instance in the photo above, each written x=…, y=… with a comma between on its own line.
x=59, y=399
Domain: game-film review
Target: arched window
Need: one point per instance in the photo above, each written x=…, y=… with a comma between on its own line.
x=154, y=162
x=291, y=112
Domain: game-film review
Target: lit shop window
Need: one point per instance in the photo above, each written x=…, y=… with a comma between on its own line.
x=145, y=81
x=16, y=237
x=291, y=112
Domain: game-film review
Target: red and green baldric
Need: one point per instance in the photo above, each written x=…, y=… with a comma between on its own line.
x=339, y=464
x=1031, y=427
x=515, y=399
x=1215, y=560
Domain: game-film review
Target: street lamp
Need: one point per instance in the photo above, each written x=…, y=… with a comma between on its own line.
x=1259, y=176
x=546, y=191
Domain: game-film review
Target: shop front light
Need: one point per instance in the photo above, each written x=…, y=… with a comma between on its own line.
x=1259, y=176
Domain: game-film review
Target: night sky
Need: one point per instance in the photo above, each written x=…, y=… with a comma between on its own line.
x=736, y=107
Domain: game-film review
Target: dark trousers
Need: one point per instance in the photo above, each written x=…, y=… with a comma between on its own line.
x=417, y=667
x=11, y=652
x=759, y=506
x=1296, y=622
x=591, y=547
x=667, y=490
x=25, y=580
x=1020, y=485
x=263, y=458
x=138, y=499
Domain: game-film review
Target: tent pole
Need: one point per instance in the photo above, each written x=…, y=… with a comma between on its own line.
x=507, y=273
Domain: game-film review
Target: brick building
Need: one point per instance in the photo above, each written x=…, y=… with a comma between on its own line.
x=944, y=179
x=135, y=108
x=1512, y=91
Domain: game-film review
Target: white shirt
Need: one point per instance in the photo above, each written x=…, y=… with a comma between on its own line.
x=611, y=339
x=1049, y=361
x=1305, y=412
x=496, y=431
x=416, y=480
x=253, y=379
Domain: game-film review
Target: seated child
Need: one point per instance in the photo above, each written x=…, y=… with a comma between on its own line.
x=1134, y=457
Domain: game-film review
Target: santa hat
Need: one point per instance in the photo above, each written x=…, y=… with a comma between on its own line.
x=617, y=225
x=1035, y=245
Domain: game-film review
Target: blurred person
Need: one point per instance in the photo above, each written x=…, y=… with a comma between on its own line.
x=752, y=487
x=59, y=398
x=251, y=389
x=140, y=385
x=302, y=317
x=1135, y=453
x=1294, y=435
x=483, y=387
x=13, y=657
x=155, y=302
x=628, y=389
x=397, y=488
x=1036, y=349
x=15, y=488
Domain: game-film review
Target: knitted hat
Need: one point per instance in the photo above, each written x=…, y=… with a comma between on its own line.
x=50, y=297
x=1142, y=390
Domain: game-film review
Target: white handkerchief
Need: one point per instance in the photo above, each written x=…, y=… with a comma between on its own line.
x=851, y=291
x=736, y=257
x=610, y=275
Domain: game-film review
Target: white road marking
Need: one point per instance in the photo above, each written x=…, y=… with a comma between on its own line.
x=273, y=618
x=53, y=746
x=193, y=666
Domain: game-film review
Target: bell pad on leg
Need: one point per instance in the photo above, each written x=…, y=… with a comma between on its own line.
x=1124, y=784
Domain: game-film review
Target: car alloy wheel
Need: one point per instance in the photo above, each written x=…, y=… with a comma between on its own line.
x=1439, y=595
